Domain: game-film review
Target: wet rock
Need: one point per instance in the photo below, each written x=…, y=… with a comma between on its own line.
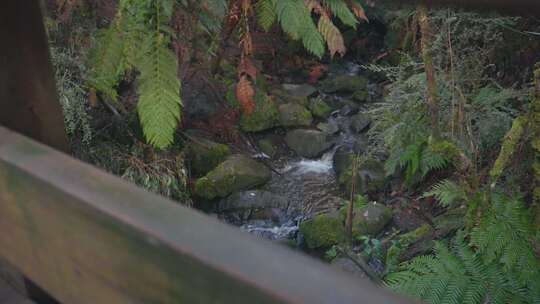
x=251, y=205
x=237, y=173
x=360, y=96
x=370, y=176
x=329, y=128
x=344, y=84
x=265, y=116
x=371, y=219
x=347, y=265
x=200, y=104
x=308, y=143
x=294, y=115
x=349, y=109
x=203, y=155
x=269, y=146
x=360, y=122
x=323, y=231
x=319, y=108
x=299, y=90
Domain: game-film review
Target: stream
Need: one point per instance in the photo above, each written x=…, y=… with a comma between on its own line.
x=309, y=186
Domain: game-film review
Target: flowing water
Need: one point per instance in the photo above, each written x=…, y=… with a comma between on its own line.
x=309, y=185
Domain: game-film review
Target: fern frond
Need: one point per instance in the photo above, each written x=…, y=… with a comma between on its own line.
x=447, y=192
x=332, y=35
x=266, y=13
x=340, y=9
x=107, y=61
x=159, y=92
x=291, y=14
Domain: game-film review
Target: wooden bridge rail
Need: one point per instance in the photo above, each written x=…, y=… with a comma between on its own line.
x=89, y=237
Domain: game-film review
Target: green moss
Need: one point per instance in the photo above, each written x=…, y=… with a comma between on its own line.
x=360, y=96
x=319, y=108
x=294, y=115
x=323, y=231
x=205, y=188
x=509, y=146
x=206, y=156
x=268, y=147
x=394, y=253
x=265, y=116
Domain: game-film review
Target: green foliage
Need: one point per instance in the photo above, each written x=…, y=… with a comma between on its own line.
x=266, y=13
x=163, y=173
x=295, y=18
x=139, y=39
x=159, y=92
x=448, y=193
x=72, y=95
x=420, y=158
x=496, y=265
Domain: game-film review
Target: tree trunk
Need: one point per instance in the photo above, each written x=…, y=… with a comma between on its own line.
x=28, y=98
x=432, y=96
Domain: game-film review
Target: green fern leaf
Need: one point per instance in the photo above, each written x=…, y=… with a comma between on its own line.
x=340, y=9
x=107, y=61
x=447, y=193
x=266, y=13
x=159, y=92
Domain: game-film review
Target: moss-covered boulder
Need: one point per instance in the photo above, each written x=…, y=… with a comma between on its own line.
x=265, y=116
x=237, y=173
x=204, y=155
x=319, y=108
x=282, y=97
x=308, y=143
x=370, y=219
x=294, y=115
x=323, y=231
x=370, y=176
x=347, y=84
x=299, y=90
x=409, y=245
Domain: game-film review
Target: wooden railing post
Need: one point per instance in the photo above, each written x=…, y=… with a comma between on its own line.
x=28, y=99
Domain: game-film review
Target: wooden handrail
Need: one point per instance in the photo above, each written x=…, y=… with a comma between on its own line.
x=89, y=237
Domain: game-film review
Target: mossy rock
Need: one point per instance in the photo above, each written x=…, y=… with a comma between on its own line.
x=284, y=97
x=268, y=147
x=308, y=143
x=370, y=176
x=294, y=115
x=323, y=231
x=204, y=155
x=265, y=116
x=319, y=108
x=368, y=220
x=347, y=84
x=409, y=245
x=360, y=96
x=237, y=173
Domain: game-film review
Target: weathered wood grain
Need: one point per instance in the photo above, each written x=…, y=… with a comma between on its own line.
x=88, y=237
x=28, y=99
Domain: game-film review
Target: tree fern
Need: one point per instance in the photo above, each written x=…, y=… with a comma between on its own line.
x=266, y=13
x=340, y=9
x=497, y=264
x=448, y=193
x=159, y=92
x=139, y=39
x=107, y=58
